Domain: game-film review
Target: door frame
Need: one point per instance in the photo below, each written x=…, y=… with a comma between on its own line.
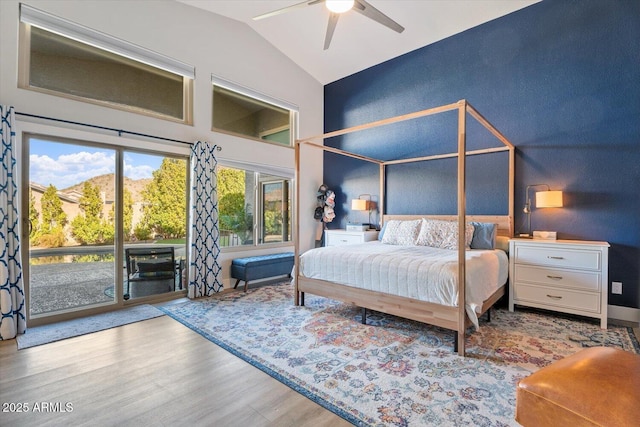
x=120, y=144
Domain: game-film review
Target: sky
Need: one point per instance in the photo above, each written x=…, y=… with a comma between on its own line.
x=65, y=165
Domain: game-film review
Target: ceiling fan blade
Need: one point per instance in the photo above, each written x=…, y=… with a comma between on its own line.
x=331, y=26
x=364, y=8
x=287, y=9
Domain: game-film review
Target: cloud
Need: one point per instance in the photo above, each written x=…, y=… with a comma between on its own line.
x=138, y=172
x=70, y=169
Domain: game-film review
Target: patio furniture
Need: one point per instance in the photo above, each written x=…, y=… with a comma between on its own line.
x=150, y=271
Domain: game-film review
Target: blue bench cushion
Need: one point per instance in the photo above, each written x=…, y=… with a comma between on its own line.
x=263, y=266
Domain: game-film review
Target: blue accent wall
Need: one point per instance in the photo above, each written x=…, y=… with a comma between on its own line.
x=560, y=79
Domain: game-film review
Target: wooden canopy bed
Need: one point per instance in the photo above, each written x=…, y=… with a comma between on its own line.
x=450, y=317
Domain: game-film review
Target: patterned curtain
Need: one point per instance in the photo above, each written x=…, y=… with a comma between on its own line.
x=205, y=234
x=12, y=304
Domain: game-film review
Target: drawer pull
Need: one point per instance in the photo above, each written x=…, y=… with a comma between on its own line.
x=554, y=277
x=554, y=296
x=555, y=257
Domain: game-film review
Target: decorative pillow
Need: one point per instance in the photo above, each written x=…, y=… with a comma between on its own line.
x=484, y=235
x=399, y=232
x=442, y=234
x=381, y=233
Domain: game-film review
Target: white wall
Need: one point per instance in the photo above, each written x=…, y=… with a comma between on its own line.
x=214, y=45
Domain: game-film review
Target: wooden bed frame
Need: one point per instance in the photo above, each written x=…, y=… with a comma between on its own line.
x=453, y=318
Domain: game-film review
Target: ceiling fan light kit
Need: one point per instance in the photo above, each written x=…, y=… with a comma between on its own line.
x=339, y=6
x=336, y=7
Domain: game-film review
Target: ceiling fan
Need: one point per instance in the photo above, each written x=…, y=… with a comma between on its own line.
x=337, y=7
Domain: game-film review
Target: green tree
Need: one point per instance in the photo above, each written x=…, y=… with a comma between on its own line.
x=230, y=181
x=91, y=201
x=165, y=210
x=127, y=214
x=89, y=227
x=34, y=220
x=53, y=219
x=233, y=214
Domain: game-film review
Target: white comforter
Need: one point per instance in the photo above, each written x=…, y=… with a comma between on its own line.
x=420, y=272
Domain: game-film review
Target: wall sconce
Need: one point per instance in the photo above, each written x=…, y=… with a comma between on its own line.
x=544, y=199
x=363, y=204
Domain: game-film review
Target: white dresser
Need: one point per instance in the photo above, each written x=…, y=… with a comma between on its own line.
x=344, y=237
x=568, y=276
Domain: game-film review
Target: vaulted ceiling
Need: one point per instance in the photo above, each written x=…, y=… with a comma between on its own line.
x=358, y=42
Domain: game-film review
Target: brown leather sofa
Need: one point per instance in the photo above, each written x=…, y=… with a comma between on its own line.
x=598, y=386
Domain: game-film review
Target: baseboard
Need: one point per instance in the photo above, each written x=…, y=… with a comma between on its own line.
x=626, y=314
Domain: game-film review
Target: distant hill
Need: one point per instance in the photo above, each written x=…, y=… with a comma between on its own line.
x=106, y=183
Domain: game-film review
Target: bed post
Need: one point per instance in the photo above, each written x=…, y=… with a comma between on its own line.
x=383, y=173
x=296, y=253
x=462, y=157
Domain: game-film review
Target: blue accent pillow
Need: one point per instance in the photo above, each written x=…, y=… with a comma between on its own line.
x=381, y=233
x=484, y=235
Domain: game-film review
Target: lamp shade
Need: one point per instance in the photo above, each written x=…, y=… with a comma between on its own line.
x=359, y=205
x=549, y=199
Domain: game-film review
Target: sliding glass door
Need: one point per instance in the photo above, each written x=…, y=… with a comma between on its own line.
x=89, y=205
x=72, y=226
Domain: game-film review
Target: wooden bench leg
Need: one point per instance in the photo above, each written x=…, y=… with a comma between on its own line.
x=236, y=285
x=246, y=283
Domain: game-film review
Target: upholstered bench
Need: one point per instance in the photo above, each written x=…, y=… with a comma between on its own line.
x=599, y=386
x=261, y=267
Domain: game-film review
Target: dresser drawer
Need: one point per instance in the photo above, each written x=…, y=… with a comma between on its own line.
x=557, y=297
x=558, y=257
x=577, y=279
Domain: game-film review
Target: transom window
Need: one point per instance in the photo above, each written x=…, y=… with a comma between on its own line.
x=66, y=59
x=241, y=111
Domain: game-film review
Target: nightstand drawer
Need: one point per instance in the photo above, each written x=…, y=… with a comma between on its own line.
x=576, y=279
x=555, y=297
x=558, y=257
x=343, y=239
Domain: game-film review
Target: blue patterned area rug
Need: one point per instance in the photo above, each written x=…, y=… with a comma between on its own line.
x=85, y=325
x=391, y=371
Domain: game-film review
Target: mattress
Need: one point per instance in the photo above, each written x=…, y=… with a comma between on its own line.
x=419, y=272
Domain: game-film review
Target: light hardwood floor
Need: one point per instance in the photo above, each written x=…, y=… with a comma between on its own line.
x=151, y=373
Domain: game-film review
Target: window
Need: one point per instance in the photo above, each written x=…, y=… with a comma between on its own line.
x=254, y=208
x=64, y=58
x=244, y=112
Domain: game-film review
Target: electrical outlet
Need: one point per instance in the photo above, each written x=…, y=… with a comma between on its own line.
x=616, y=288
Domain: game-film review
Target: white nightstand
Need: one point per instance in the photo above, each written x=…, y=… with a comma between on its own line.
x=569, y=276
x=344, y=237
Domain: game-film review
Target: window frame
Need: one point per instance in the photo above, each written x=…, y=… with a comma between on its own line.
x=32, y=17
x=258, y=206
x=252, y=94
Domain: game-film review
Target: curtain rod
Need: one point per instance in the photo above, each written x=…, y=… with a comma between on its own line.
x=119, y=131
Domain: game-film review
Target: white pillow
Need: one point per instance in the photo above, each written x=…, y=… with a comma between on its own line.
x=443, y=234
x=399, y=232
